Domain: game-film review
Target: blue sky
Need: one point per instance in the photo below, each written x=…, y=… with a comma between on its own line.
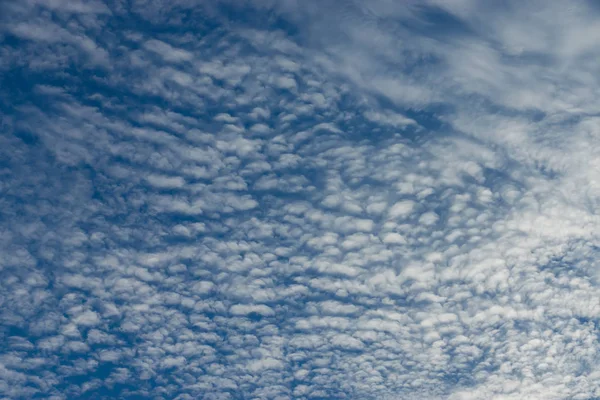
x=299, y=199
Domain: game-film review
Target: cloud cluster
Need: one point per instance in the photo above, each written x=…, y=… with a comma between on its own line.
x=280, y=200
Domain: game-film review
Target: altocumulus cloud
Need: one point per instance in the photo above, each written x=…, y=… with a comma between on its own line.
x=312, y=200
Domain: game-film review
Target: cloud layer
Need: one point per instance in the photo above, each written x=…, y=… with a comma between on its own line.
x=273, y=200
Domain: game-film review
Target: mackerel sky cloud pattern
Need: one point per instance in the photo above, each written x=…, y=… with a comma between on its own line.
x=287, y=199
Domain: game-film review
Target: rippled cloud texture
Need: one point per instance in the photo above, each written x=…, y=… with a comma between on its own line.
x=299, y=199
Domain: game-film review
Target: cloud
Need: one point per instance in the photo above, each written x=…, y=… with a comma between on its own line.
x=168, y=52
x=387, y=118
x=402, y=209
x=385, y=201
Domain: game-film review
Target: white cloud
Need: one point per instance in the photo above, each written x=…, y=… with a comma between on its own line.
x=243, y=309
x=393, y=238
x=87, y=318
x=168, y=52
x=286, y=82
x=402, y=209
x=165, y=182
x=389, y=118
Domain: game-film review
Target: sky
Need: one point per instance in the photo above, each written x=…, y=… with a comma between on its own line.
x=299, y=199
